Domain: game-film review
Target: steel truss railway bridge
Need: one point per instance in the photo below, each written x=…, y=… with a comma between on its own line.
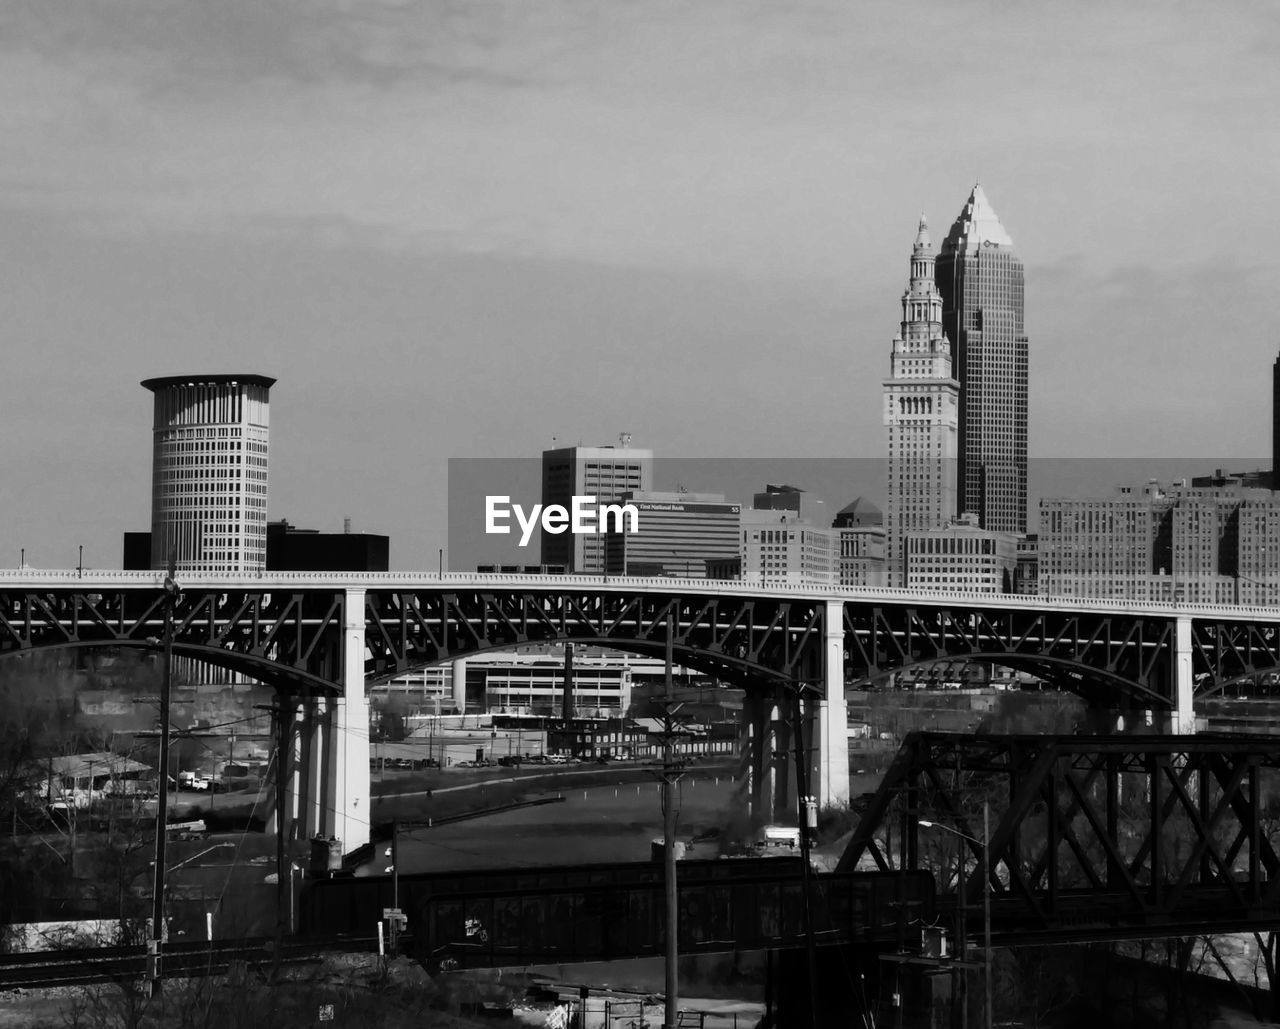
x=1084, y=837
x=320, y=639
x=1091, y=839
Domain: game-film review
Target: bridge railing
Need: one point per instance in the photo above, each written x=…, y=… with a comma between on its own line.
x=73, y=578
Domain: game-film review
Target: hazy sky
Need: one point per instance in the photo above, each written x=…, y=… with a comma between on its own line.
x=464, y=228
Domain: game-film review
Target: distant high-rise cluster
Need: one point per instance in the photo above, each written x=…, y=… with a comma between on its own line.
x=1215, y=540
x=209, y=472
x=955, y=404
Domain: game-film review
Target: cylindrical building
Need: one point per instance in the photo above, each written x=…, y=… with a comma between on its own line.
x=209, y=472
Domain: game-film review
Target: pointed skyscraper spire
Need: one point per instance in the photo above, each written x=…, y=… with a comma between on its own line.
x=977, y=224
x=922, y=234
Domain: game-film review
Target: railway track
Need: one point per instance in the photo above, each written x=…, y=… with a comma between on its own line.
x=86, y=966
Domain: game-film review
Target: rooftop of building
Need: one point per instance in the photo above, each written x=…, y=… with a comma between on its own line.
x=676, y=497
x=857, y=513
x=169, y=381
x=976, y=225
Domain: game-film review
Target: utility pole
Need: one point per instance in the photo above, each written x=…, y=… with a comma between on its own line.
x=393, y=922
x=802, y=821
x=986, y=909
x=171, y=597
x=282, y=714
x=672, y=771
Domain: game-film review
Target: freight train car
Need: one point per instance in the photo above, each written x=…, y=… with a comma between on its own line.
x=599, y=912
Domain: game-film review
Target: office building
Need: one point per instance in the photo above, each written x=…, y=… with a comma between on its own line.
x=1181, y=543
x=209, y=472
x=962, y=557
x=528, y=680
x=792, y=500
x=781, y=548
x=606, y=473
x=860, y=525
x=1275, y=425
x=678, y=534
x=1027, y=579
x=981, y=281
x=290, y=549
x=921, y=410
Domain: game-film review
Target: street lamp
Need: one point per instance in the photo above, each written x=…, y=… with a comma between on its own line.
x=985, y=844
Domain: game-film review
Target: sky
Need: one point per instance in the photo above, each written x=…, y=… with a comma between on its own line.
x=470, y=229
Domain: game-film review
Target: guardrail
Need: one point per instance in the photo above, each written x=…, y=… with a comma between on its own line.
x=72, y=578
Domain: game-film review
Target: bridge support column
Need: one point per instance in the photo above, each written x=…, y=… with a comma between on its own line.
x=1183, y=716
x=459, y=680
x=829, y=776
x=755, y=756
x=321, y=807
x=347, y=752
x=782, y=760
x=295, y=769
x=286, y=768
x=308, y=789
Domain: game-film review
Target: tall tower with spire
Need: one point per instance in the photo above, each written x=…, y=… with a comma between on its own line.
x=980, y=278
x=921, y=410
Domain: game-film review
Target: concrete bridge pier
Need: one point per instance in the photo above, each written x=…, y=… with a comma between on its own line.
x=301, y=782
x=321, y=798
x=830, y=727
x=347, y=743
x=782, y=760
x=288, y=765
x=1183, y=715
x=458, y=679
x=755, y=752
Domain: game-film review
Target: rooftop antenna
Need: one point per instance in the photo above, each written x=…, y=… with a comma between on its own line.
x=624, y=440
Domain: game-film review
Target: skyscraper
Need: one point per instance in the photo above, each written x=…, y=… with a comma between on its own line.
x=921, y=399
x=605, y=473
x=980, y=278
x=209, y=472
x=1275, y=426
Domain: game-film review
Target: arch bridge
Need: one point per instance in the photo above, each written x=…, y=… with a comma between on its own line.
x=320, y=638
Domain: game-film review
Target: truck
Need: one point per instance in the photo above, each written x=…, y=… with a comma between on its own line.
x=780, y=836
x=194, y=781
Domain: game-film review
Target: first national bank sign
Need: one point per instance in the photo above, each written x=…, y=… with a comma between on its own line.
x=585, y=516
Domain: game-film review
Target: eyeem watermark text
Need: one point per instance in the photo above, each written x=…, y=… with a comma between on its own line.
x=585, y=516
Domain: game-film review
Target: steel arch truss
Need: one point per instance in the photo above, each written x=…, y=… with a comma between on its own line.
x=288, y=639
x=1091, y=654
x=1228, y=651
x=293, y=638
x=748, y=640
x=1153, y=834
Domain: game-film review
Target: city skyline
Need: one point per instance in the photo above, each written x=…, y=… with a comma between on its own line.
x=452, y=235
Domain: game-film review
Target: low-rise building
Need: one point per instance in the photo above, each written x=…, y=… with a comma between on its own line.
x=962, y=557
x=862, y=544
x=677, y=534
x=1215, y=543
x=782, y=546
